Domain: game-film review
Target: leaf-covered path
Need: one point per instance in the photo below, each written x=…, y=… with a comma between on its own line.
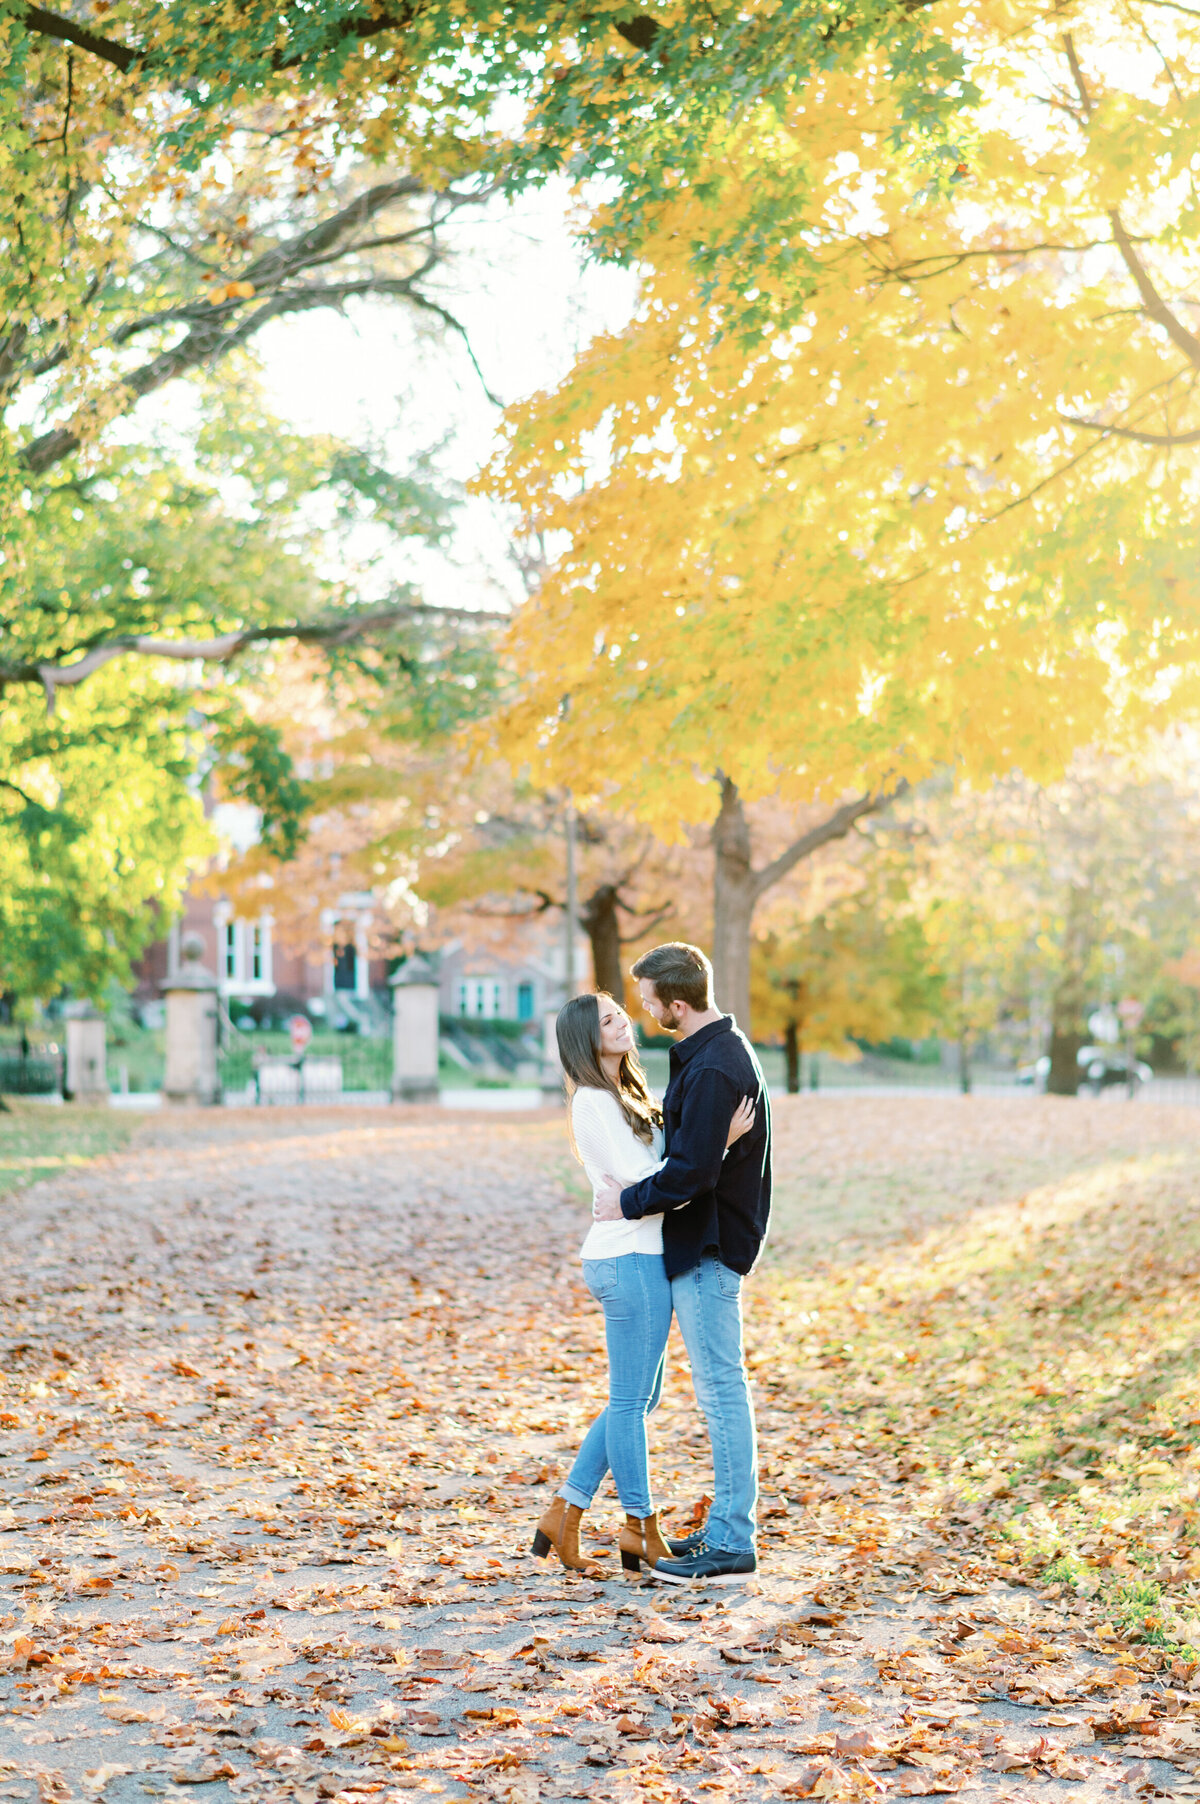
x=281, y=1396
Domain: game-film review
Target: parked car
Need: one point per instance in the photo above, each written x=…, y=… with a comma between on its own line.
x=1100, y=1067
x=1103, y=1066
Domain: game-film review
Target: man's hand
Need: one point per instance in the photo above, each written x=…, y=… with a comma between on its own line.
x=607, y=1204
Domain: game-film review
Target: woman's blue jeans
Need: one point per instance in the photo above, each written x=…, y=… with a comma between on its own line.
x=635, y=1295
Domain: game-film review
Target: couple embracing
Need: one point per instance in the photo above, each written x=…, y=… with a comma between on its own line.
x=681, y=1197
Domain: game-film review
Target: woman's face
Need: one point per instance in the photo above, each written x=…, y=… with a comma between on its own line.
x=616, y=1034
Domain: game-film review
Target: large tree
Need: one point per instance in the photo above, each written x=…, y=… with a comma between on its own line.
x=943, y=512
x=135, y=667
x=176, y=178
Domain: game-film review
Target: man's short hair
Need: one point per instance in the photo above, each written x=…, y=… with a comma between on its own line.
x=679, y=973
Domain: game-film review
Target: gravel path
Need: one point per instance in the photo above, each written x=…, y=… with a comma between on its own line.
x=281, y=1397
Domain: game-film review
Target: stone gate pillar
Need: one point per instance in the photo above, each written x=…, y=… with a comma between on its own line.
x=415, y=1032
x=191, y=1029
x=87, y=1080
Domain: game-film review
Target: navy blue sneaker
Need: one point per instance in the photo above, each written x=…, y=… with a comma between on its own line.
x=707, y=1566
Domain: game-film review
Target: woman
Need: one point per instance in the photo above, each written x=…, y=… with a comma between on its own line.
x=616, y=1130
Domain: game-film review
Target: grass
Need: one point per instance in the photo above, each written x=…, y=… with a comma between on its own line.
x=142, y=1051
x=38, y=1139
x=1004, y=1293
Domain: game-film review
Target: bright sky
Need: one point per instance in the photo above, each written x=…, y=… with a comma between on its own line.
x=521, y=287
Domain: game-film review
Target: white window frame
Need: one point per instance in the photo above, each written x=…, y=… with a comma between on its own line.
x=245, y=945
x=481, y=998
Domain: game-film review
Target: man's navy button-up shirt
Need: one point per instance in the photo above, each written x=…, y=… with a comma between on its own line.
x=710, y=1203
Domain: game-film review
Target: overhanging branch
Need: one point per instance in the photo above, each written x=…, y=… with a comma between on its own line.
x=208, y=341
x=1165, y=439
x=837, y=826
x=44, y=24
x=1152, y=301
x=40, y=22
x=275, y=279
x=53, y=676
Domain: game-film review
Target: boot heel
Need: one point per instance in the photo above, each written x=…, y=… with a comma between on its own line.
x=541, y=1545
x=630, y=1561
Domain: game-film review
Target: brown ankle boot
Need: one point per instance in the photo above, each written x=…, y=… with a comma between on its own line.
x=559, y=1529
x=640, y=1540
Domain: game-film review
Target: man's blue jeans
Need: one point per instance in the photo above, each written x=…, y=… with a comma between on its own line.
x=708, y=1306
x=635, y=1295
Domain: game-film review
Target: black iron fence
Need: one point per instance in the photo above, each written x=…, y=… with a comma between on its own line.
x=30, y=1065
x=264, y=1068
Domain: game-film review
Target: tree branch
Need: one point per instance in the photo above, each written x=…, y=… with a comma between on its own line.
x=650, y=919
x=1152, y=301
x=213, y=331
x=642, y=33
x=1077, y=75
x=369, y=25
x=15, y=789
x=322, y=243
x=448, y=319
x=1165, y=439
x=296, y=254
x=1155, y=306
x=207, y=341
x=54, y=676
x=940, y=263
x=545, y=901
x=42, y=23
x=836, y=827
x=45, y=24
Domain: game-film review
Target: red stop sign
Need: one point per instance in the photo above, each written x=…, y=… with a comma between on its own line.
x=300, y=1028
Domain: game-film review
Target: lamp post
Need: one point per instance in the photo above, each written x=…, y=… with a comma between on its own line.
x=572, y=899
x=1131, y=1012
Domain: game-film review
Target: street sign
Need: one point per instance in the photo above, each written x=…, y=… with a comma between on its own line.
x=1131, y=1012
x=300, y=1028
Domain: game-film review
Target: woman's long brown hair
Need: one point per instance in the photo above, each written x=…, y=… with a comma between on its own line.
x=578, y=1031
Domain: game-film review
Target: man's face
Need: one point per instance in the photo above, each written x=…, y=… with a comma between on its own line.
x=665, y=1013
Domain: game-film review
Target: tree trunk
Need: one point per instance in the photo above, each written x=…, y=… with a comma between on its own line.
x=1064, y=1062
x=791, y=1054
x=737, y=886
x=1070, y=1000
x=734, y=895
x=598, y=918
x=964, y=1065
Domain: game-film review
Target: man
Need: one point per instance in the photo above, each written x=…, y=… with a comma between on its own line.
x=715, y=1209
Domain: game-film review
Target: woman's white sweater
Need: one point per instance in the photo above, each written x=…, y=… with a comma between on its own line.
x=608, y=1148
